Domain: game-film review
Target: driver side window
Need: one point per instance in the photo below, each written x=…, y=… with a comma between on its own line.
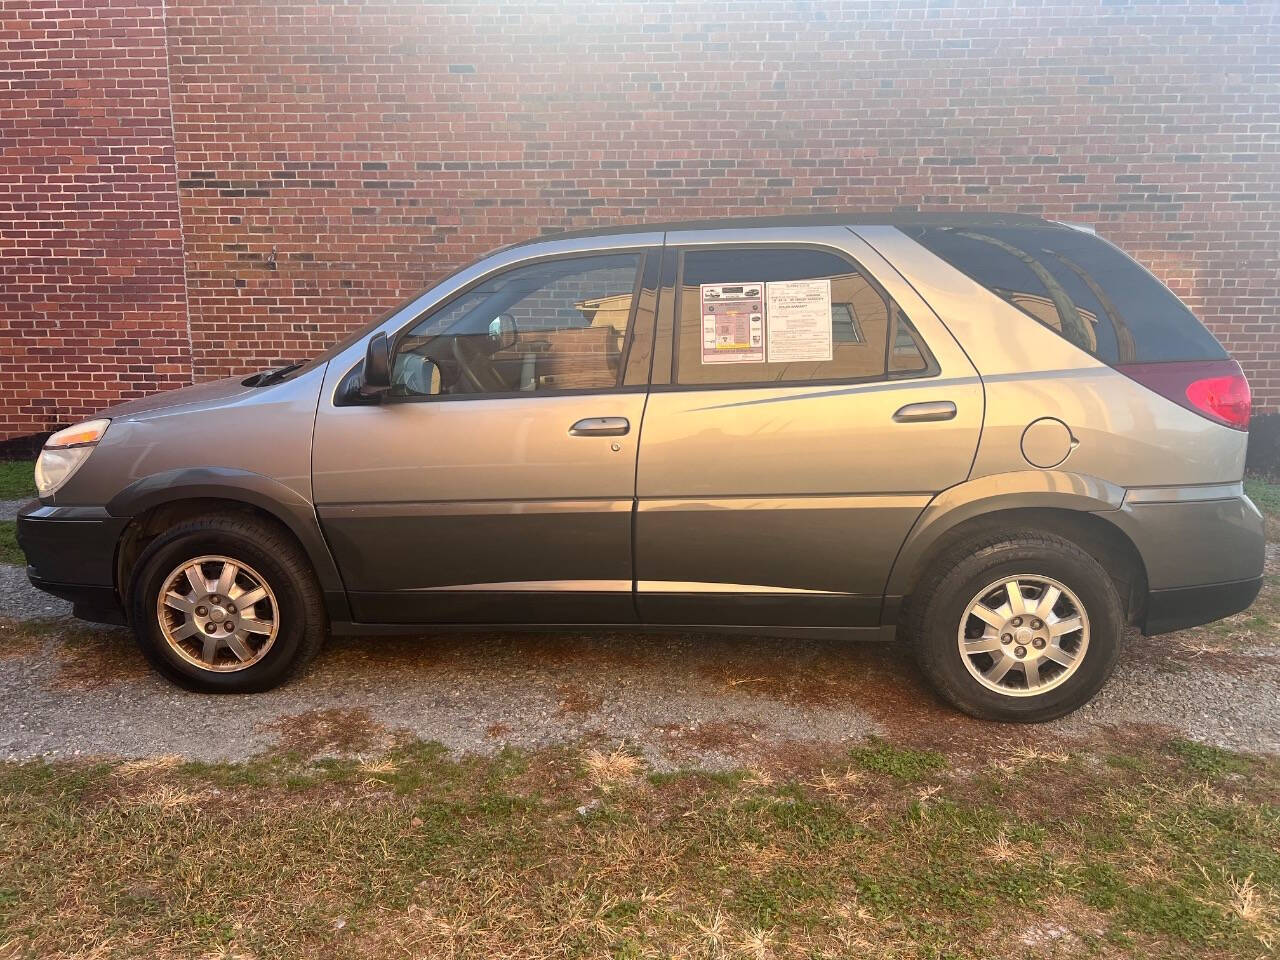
x=556, y=325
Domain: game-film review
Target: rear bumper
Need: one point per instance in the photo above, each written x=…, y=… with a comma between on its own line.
x=1183, y=607
x=1203, y=549
x=71, y=553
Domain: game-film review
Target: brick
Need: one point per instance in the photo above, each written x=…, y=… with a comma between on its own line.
x=89, y=216
x=377, y=146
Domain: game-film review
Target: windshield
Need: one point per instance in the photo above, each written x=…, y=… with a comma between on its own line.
x=382, y=318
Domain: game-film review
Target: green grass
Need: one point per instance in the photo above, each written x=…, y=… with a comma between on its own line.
x=907, y=765
x=9, y=551
x=1208, y=761
x=1265, y=493
x=414, y=853
x=17, y=479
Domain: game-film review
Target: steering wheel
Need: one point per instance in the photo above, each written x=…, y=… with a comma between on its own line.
x=465, y=367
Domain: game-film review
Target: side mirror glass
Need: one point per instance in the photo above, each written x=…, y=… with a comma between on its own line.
x=377, y=366
x=503, y=334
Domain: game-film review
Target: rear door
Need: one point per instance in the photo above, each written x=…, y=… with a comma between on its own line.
x=807, y=408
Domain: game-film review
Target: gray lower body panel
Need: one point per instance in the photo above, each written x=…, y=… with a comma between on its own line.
x=485, y=561
x=804, y=560
x=1189, y=543
x=760, y=609
x=771, y=562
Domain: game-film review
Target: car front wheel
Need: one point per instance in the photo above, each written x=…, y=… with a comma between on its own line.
x=226, y=604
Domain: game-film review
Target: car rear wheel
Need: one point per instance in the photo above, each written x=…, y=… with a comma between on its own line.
x=1021, y=626
x=226, y=604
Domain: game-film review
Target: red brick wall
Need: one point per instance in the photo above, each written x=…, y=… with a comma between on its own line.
x=92, y=307
x=333, y=158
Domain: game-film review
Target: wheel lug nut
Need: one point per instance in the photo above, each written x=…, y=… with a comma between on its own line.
x=1006, y=638
x=1020, y=652
x=228, y=626
x=231, y=608
x=1017, y=621
x=209, y=628
x=1036, y=624
x=202, y=611
x=1038, y=643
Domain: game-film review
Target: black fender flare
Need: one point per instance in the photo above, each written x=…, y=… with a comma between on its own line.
x=271, y=496
x=1019, y=490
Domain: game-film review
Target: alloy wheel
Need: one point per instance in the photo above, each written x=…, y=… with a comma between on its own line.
x=1023, y=636
x=217, y=613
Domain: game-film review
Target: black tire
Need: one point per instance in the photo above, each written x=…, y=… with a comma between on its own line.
x=943, y=596
x=272, y=553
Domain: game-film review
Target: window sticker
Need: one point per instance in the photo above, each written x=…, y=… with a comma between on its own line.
x=800, y=321
x=733, y=325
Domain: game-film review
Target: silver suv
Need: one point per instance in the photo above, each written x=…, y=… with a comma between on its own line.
x=996, y=437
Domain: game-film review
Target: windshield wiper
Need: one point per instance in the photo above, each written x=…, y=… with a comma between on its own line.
x=268, y=377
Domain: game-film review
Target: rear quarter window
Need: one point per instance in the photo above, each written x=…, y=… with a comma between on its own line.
x=1080, y=286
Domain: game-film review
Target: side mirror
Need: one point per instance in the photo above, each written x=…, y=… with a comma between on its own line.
x=377, y=367
x=503, y=334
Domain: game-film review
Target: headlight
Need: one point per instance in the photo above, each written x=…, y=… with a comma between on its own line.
x=64, y=452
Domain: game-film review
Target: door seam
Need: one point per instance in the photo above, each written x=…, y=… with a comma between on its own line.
x=648, y=392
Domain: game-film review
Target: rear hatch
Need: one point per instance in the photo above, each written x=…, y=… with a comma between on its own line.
x=1092, y=294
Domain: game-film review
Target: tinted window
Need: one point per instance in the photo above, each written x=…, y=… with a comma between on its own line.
x=1078, y=285
x=557, y=325
x=867, y=337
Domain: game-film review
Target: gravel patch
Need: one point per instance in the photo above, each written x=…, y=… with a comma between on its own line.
x=473, y=694
x=1238, y=709
x=9, y=508
x=19, y=600
x=705, y=701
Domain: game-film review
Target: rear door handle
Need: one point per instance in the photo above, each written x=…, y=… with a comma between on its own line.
x=601, y=427
x=928, y=412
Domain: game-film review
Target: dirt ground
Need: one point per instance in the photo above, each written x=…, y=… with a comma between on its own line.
x=710, y=701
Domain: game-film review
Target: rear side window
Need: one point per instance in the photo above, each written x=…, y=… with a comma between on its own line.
x=787, y=315
x=1079, y=286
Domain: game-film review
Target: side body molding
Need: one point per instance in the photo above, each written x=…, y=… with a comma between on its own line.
x=1019, y=490
x=245, y=486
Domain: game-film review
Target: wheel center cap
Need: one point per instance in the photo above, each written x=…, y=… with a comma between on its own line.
x=1024, y=635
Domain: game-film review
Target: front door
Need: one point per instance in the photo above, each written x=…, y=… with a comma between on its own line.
x=496, y=482
x=812, y=412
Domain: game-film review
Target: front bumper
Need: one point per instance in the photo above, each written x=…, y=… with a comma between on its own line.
x=71, y=553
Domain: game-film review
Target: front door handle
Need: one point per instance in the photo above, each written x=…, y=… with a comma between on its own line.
x=600, y=427
x=928, y=412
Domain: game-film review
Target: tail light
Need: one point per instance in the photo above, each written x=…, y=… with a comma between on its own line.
x=1215, y=389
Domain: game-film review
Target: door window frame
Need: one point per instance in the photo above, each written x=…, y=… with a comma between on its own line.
x=675, y=283
x=636, y=319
